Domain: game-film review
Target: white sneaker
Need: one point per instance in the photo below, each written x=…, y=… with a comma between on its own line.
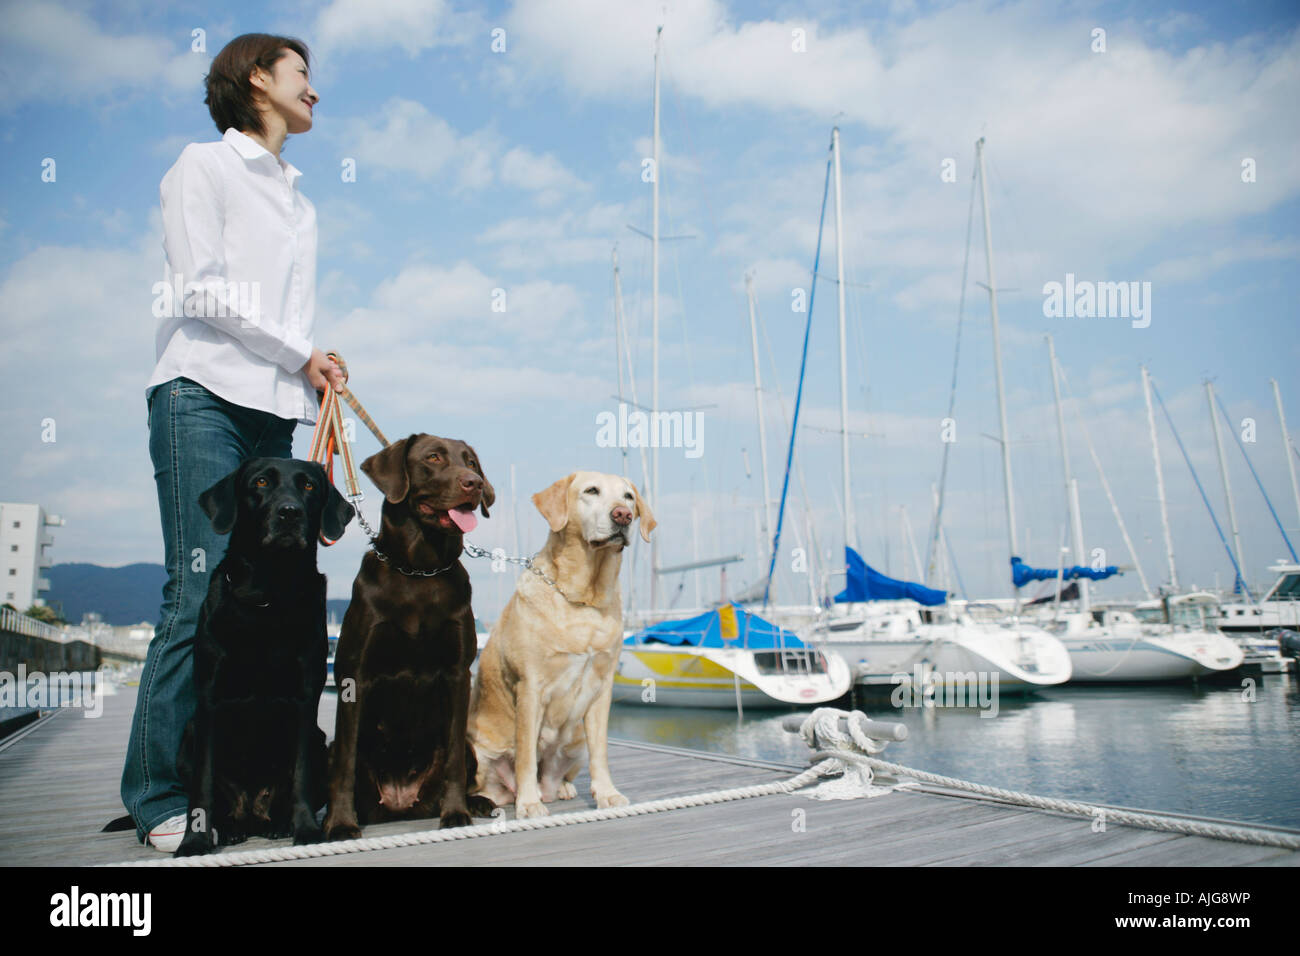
x=167, y=835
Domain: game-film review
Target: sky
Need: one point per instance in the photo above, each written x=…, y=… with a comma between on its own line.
x=502, y=147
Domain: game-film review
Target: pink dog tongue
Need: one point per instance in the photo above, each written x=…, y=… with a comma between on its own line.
x=464, y=518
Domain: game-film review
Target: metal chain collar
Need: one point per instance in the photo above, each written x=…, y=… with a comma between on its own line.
x=476, y=552
x=472, y=550
x=374, y=536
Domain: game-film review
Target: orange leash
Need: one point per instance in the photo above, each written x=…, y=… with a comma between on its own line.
x=330, y=437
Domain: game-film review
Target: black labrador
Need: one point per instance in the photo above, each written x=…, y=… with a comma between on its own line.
x=252, y=757
x=402, y=664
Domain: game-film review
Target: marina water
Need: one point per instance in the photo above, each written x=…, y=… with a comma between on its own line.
x=1201, y=749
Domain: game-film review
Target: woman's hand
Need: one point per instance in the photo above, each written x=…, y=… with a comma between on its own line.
x=323, y=372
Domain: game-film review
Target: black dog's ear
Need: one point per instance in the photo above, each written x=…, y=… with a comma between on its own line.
x=337, y=512
x=489, y=496
x=221, y=502
x=387, y=469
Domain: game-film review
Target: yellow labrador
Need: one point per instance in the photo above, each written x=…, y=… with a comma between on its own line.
x=546, y=675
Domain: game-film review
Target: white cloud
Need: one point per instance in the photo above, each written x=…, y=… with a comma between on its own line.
x=404, y=137
x=544, y=175
x=52, y=53
x=410, y=25
x=566, y=237
x=1124, y=146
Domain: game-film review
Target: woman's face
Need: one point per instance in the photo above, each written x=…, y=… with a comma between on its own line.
x=287, y=91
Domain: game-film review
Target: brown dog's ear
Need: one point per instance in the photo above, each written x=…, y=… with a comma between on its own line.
x=643, y=512
x=489, y=496
x=553, y=503
x=387, y=469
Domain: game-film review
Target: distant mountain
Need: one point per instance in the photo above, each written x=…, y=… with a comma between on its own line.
x=126, y=595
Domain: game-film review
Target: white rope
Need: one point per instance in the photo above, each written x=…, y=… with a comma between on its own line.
x=821, y=729
x=419, y=838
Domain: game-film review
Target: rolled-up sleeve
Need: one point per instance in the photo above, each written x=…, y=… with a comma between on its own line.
x=193, y=204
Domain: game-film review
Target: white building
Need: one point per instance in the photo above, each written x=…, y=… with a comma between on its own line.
x=25, y=543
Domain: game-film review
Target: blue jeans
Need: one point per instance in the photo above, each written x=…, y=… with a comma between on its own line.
x=195, y=440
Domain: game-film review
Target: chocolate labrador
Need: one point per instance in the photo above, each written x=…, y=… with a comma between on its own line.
x=402, y=665
x=252, y=757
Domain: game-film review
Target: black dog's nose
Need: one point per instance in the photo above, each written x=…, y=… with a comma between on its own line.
x=289, y=511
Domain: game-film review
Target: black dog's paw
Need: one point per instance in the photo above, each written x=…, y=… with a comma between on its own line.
x=194, y=844
x=480, y=806
x=455, y=818
x=312, y=834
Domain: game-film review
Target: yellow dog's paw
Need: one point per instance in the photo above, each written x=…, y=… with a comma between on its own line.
x=610, y=799
x=534, y=809
x=567, y=791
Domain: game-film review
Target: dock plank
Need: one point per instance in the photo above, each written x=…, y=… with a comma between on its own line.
x=58, y=786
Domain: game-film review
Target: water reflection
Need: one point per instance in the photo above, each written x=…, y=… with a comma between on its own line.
x=1203, y=749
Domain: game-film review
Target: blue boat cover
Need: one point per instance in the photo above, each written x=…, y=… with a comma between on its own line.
x=865, y=583
x=706, y=631
x=1022, y=574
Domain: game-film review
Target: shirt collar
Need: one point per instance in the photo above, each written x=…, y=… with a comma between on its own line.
x=249, y=148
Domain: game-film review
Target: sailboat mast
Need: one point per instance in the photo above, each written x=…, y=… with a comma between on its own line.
x=618, y=334
x=1286, y=444
x=1160, y=479
x=850, y=540
x=758, y=401
x=1071, y=488
x=655, y=501
x=997, y=355
x=1227, y=488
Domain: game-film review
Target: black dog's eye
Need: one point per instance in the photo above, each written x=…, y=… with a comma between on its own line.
x=308, y=486
x=261, y=482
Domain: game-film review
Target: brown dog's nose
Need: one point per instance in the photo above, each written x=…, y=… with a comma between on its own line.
x=622, y=516
x=471, y=482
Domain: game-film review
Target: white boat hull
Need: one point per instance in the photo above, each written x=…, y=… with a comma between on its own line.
x=687, y=676
x=1110, y=658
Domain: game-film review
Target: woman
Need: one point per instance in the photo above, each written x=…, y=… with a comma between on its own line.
x=235, y=368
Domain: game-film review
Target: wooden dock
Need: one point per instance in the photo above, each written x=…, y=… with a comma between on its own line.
x=59, y=785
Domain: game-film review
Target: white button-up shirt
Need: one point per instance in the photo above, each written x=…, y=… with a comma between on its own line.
x=236, y=309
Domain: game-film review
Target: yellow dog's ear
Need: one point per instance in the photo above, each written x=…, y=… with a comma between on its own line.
x=643, y=512
x=553, y=503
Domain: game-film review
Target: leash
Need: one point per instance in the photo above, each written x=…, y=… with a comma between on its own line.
x=476, y=552
x=330, y=436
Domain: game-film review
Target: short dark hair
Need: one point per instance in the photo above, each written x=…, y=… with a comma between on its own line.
x=230, y=94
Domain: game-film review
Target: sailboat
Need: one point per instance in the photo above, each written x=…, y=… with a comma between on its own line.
x=1112, y=644
x=702, y=661
x=892, y=642
x=727, y=657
